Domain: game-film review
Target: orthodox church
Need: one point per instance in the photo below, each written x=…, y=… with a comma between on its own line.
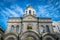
x=28, y=26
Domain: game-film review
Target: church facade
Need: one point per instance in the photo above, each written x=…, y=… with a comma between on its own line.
x=28, y=26
x=29, y=22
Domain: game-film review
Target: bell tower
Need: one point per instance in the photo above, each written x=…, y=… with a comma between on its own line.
x=30, y=11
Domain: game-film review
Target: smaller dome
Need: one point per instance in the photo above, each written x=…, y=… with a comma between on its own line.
x=29, y=7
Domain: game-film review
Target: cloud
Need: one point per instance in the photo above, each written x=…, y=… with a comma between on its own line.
x=12, y=12
x=43, y=11
x=50, y=1
x=49, y=11
x=1, y=13
x=17, y=9
x=6, y=13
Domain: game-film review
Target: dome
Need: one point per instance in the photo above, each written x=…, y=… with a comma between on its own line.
x=29, y=7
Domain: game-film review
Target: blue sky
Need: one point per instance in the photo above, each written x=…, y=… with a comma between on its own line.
x=15, y=8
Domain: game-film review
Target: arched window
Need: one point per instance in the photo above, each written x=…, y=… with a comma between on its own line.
x=33, y=12
x=42, y=29
x=12, y=28
x=17, y=28
x=47, y=28
x=29, y=11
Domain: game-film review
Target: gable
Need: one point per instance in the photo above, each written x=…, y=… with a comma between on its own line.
x=29, y=18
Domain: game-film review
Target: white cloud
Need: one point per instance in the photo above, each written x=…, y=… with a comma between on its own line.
x=17, y=9
x=12, y=12
x=43, y=11
x=2, y=12
x=6, y=13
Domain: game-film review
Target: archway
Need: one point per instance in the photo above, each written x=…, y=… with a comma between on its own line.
x=29, y=35
x=10, y=36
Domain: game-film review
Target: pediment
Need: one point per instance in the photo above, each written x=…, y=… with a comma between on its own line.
x=30, y=18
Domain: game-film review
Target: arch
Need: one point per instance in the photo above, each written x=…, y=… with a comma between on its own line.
x=49, y=36
x=27, y=34
x=10, y=36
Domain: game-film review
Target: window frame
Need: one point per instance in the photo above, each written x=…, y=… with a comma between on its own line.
x=29, y=11
x=12, y=28
x=17, y=28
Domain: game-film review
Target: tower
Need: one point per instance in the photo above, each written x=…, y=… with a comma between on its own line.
x=30, y=11
x=29, y=20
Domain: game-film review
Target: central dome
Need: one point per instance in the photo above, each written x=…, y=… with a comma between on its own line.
x=29, y=7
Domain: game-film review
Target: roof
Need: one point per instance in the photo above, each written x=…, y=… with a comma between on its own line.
x=44, y=18
x=28, y=15
x=15, y=17
x=29, y=7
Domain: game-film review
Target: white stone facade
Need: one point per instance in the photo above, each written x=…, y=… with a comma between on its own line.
x=56, y=26
x=31, y=19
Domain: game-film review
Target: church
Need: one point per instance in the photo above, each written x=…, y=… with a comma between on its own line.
x=28, y=27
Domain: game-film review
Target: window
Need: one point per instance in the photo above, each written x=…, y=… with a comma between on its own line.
x=12, y=28
x=47, y=28
x=30, y=11
x=33, y=12
x=29, y=27
x=17, y=28
x=26, y=12
x=42, y=26
x=42, y=29
x=58, y=28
